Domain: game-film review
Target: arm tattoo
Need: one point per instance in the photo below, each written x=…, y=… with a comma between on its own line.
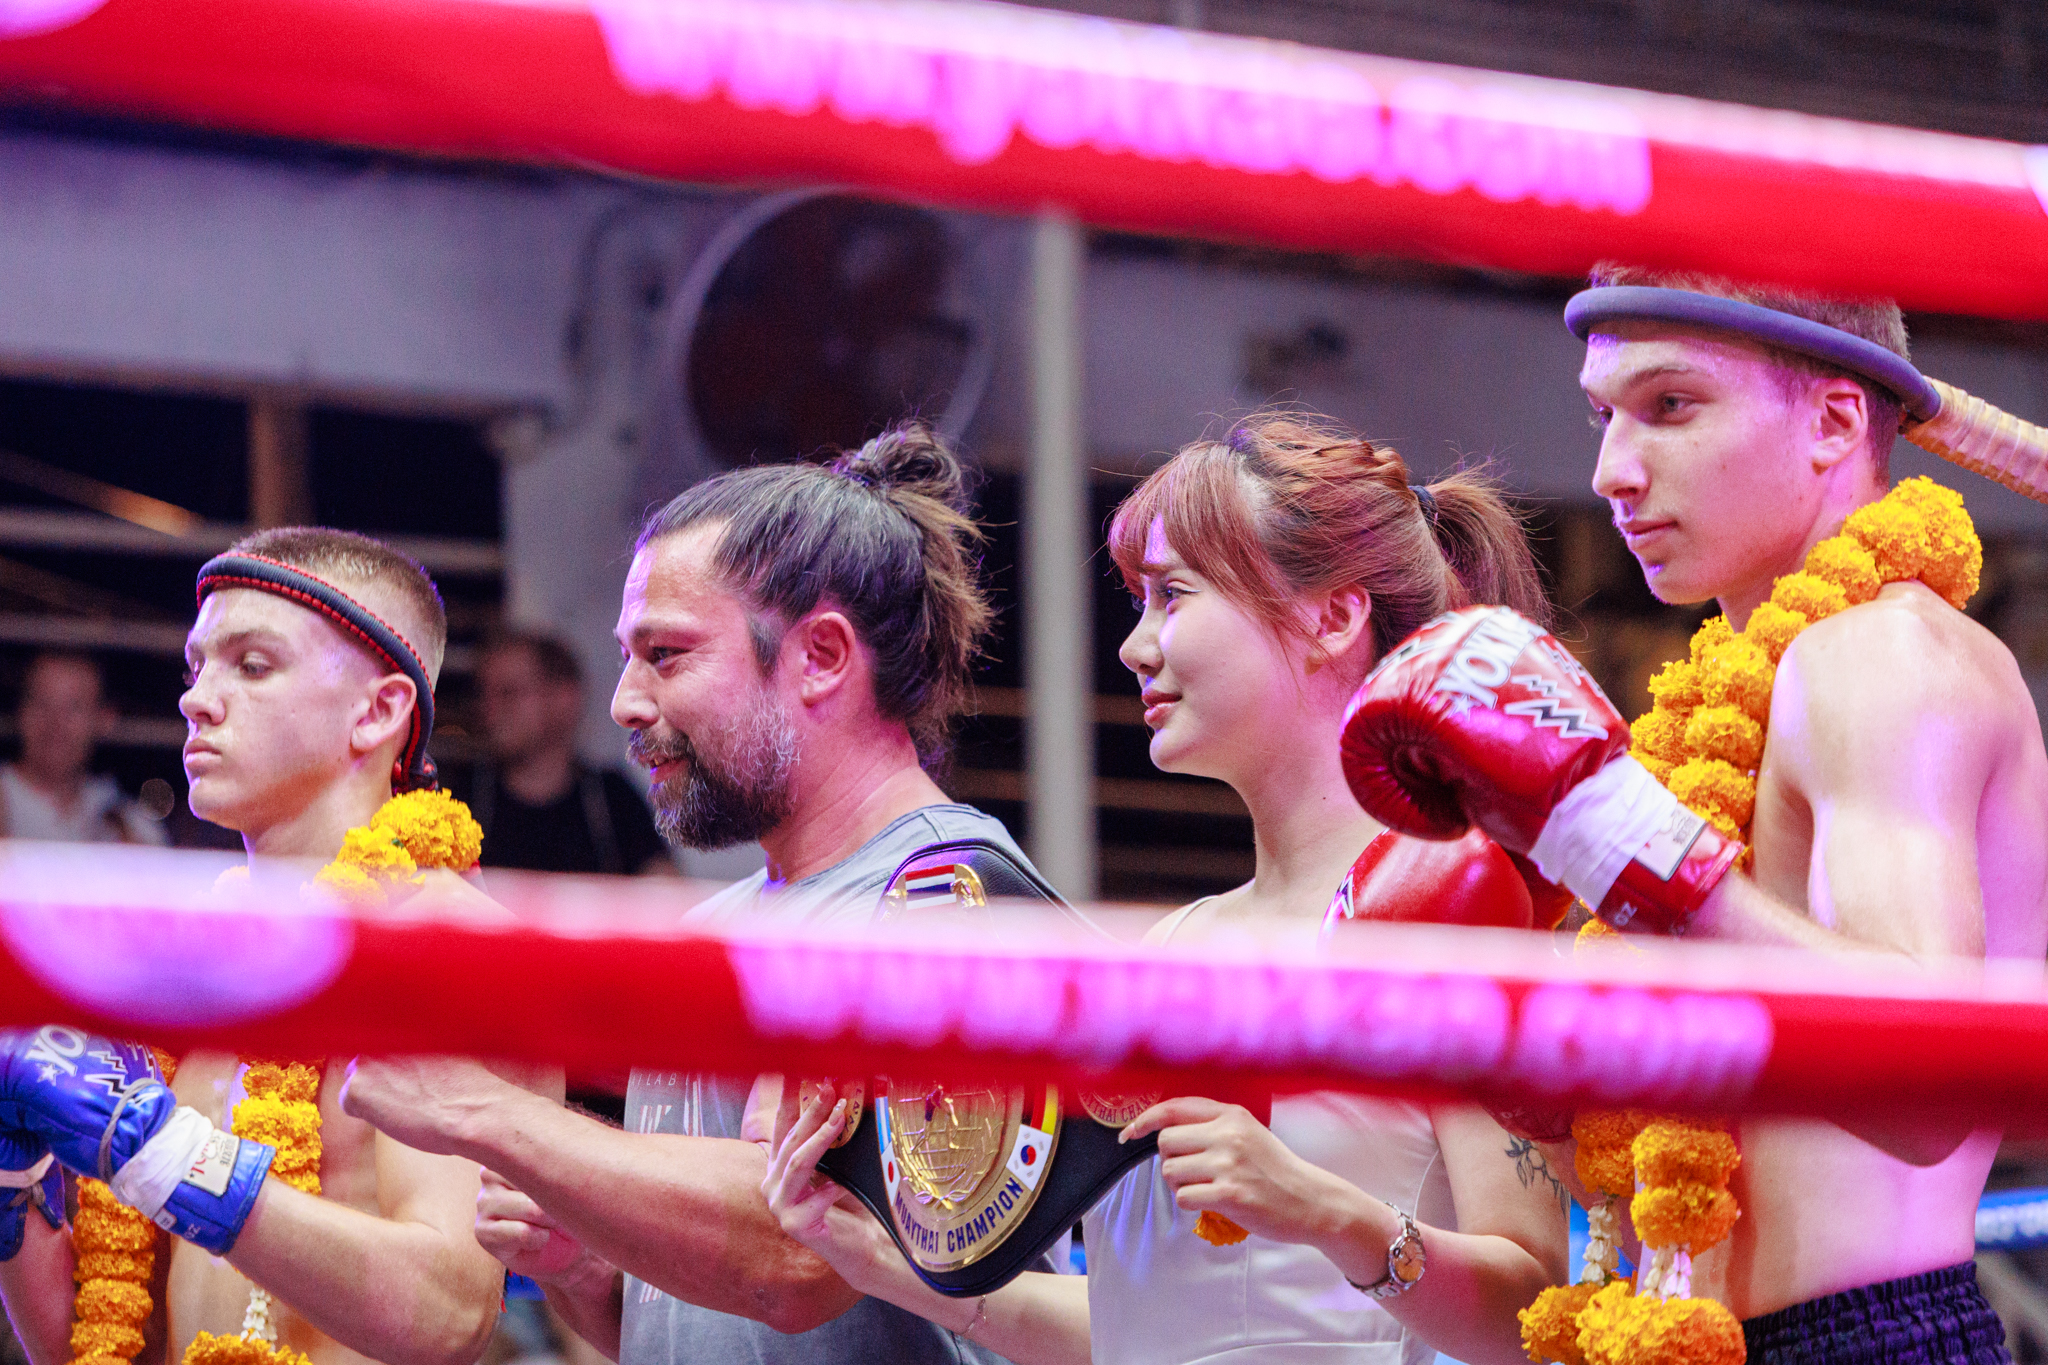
x=1531, y=1167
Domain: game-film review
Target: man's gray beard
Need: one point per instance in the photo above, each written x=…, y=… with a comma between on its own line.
x=738, y=796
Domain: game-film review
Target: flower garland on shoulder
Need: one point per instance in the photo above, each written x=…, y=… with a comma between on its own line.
x=416, y=832
x=1704, y=738
x=116, y=1247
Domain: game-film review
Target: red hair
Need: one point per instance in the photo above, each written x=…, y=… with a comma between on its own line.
x=1290, y=504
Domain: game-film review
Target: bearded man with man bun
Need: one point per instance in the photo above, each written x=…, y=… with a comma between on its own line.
x=796, y=641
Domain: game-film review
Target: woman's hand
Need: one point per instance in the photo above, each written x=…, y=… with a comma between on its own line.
x=812, y=1209
x=1217, y=1158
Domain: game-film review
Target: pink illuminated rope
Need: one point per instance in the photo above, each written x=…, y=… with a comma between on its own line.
x=593, y=974
x=979, y=77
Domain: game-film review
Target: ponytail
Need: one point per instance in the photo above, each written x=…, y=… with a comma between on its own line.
x=1484, y=546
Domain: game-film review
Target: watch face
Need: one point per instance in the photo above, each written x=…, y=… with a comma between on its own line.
x=1407, y=1260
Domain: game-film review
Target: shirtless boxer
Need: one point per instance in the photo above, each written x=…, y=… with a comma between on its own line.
x=1901, y=794
x=301, y=716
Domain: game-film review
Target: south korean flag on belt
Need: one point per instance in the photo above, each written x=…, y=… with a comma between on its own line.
x=1027, y=1159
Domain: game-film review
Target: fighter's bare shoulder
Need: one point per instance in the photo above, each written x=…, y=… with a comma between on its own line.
x=1898, y=665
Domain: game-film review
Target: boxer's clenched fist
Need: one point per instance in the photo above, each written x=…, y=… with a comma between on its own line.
x=1482, y=718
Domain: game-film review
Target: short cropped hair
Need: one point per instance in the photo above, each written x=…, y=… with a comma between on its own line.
x=1875, y=320
x=345, y=558
x=880, y=533
x=554, y=660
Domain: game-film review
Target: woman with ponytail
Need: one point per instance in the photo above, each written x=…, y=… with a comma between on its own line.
x=1272, y=569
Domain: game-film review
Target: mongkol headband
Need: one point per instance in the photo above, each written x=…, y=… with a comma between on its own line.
x=414, y=769
x=1941, y=418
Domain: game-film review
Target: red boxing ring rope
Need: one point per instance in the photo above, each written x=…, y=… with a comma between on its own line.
x=1125, y=125
x=134, y=943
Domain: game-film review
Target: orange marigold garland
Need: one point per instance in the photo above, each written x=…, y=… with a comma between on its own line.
x=1678, y=1173
x=409, y=833
x=116, y=1246
x=435, y=829
x=1218, y=1231
x=283, y=1111
x=1704, y=738
x=115, y=1249
x=1681, y=1206
x=1550, y=1326
x=113, y=1260
x=1704, y=735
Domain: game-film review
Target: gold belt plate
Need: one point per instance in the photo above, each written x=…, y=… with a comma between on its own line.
x=963, y=1164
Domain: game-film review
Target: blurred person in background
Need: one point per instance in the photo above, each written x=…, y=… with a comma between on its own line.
x=542, y=808
x=50, y=791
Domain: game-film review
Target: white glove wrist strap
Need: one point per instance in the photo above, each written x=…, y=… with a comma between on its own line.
x=1601, y=824
x=153, y=1173
x=28, y=1179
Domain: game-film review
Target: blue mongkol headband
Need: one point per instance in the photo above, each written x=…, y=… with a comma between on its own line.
x=1960, y=427
x=1590, y=308
x=414, y=768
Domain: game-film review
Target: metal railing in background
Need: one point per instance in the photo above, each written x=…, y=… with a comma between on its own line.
x=31, y=528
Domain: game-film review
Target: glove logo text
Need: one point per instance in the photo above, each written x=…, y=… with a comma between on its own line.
x=54, y=1048
x=1485, y=660
x=214, y=1164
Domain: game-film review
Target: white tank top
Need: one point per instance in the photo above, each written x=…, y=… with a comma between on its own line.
x=1159, y=1295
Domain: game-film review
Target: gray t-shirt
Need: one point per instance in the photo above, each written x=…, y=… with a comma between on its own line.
x=660, y=1330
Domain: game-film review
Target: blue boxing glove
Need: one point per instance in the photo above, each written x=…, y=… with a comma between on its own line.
x=40, y=1187
x=102, y=1108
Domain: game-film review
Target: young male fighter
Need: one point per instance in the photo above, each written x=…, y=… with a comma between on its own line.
x=796, y=640
x=1901, y=794
x=311, y=669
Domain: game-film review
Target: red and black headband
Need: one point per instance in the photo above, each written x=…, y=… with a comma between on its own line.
x=414, y=768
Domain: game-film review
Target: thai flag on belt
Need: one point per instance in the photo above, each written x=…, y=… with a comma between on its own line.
x=921, y=882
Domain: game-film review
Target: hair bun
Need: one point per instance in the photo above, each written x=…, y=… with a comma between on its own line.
x=908, y=458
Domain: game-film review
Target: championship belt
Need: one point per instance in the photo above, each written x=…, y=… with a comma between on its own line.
x=975, y=1182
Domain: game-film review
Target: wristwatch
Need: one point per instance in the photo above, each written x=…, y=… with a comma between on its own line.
x=1406, y=1260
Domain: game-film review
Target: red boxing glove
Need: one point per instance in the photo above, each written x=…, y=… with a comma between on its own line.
x=1482, y=718
x=1549, y=903
x=1399, y=880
